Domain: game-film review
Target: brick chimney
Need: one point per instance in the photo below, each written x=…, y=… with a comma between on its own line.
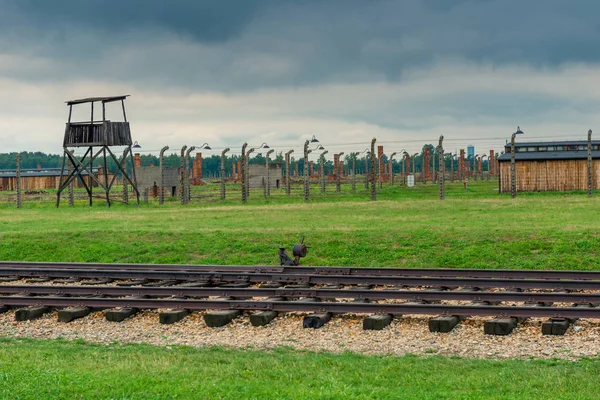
x=138, y=160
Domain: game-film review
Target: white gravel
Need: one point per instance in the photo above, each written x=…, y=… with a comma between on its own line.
x=406, y=335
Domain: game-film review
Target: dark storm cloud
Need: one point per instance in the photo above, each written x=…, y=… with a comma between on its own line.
x=210, y=21
x=247, y=44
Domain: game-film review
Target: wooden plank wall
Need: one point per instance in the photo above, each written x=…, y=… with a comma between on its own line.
x=42, y=182
x=550, y=175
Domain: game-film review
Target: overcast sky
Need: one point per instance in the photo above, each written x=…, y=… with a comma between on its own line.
x=279, y=71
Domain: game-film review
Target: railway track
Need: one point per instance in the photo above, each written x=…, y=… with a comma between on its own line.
x=418, y=272
x=509, y=296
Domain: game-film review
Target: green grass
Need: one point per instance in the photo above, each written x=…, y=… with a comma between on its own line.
x=68, y=370
x=405, y=228
x=476, y=228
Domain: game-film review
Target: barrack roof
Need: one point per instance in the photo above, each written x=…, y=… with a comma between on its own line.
x=93, y=99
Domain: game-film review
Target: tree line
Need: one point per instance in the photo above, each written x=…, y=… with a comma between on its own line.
x=211, y=165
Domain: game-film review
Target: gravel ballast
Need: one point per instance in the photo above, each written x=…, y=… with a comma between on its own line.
x=405, y=335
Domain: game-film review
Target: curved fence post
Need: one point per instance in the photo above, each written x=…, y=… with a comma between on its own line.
x=243, y=173
x=188, y=191
x=223, y=172
x=288, y=187
x=442, y=168
x=373, y=171
x=182, y=174
x=18, y=182
x=161, y=192
x=306, y=175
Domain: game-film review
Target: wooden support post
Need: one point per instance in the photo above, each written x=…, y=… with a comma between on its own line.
x=125, y=186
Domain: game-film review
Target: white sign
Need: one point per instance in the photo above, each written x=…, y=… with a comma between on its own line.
x=410, y=180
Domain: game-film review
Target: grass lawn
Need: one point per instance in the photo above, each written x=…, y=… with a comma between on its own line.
x=405, y=228
x=69, y=370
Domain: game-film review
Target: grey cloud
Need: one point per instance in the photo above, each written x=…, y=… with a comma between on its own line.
x=246, y=44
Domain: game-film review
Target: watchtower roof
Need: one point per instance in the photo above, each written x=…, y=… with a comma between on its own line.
x=94, y=99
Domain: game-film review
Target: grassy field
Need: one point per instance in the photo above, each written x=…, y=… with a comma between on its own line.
x=405, y=228
x=69, y=370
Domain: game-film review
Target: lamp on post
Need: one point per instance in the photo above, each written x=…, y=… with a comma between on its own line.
x=513, y=169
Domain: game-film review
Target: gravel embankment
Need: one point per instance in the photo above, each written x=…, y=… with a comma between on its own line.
x=408, y=335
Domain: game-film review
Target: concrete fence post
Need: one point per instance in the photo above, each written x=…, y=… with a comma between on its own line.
x=373, y=171
x=288, y=184
x=268, y=183
x=322, y=170
x=223, y=172
x=161, y=189
x=182, y=174
x=338, y=178
x=590, y=165
x=242, y=172
x=353, y=156
x=18, y=182
x=306, y=175
x=442, y=168
x=247, y=172
x=188, y=190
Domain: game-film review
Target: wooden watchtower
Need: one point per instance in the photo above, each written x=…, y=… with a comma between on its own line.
x=97, y=137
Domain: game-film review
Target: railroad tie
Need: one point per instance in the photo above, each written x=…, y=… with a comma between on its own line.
x=70, y=314
x=31, y=313
x=559, y=326
x=121, y=314
x=100, y=281
x=9, y=278
x=315, y=320
x=377, y=322
x=262, y=318
x=134, y=282
x=172, y=316
x=39, y=280
x=67, y=280
x=216, y=319
x=505, y=325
